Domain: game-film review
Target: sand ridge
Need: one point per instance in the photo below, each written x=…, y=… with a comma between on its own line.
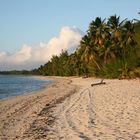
x=71, y=109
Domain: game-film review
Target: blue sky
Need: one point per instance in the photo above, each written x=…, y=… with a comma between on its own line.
x=34, y=21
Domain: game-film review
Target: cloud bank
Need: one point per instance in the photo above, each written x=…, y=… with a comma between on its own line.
x=28, y=57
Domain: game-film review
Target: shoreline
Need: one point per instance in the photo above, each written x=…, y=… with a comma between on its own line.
x=33, y=91
x=71, y=109
x=27, y=106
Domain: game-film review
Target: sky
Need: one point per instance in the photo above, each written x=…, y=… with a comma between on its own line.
x=31, y=31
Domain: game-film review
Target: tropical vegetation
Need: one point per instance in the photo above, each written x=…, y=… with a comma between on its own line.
x=110, y=48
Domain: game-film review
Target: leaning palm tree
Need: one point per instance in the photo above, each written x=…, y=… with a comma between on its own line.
x=107, y=52
x=87, y=53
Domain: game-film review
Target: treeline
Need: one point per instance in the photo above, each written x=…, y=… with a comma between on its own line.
x=111, y=49
x=18, y=72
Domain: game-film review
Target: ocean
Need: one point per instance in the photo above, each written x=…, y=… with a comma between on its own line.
x=11, y=85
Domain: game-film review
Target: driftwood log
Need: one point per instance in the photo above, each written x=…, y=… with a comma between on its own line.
x=98, y=83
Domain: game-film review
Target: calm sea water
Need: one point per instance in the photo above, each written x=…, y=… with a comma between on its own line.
x=11, y=85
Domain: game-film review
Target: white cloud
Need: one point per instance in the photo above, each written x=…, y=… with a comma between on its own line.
x=3, y=55
x=28, y=57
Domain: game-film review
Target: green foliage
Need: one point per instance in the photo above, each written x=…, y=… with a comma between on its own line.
x=111, y=48
x=17, y=72
x=110, y=70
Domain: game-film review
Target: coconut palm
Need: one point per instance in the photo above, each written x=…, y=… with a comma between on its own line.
x=98, y=31
x=107, y=52
x=115, y=27
x=87, y=50
x=128, y=43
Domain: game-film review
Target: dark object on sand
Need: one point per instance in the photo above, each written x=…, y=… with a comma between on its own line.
x=98, y=83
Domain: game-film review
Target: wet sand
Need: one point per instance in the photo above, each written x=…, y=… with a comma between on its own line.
x=70, y=109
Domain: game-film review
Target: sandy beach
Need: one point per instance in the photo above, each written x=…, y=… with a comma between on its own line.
x=70, y=109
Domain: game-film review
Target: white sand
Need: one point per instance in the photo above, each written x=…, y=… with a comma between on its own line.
x=71, y=109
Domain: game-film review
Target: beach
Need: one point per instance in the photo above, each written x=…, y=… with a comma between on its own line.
x=71, y=109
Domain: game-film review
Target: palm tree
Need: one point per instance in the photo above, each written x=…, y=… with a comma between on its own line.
x=128, y=43
x=98, y=31
x=114, y=22
x=107, y=52
x=115, y=27
x=87, y=50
